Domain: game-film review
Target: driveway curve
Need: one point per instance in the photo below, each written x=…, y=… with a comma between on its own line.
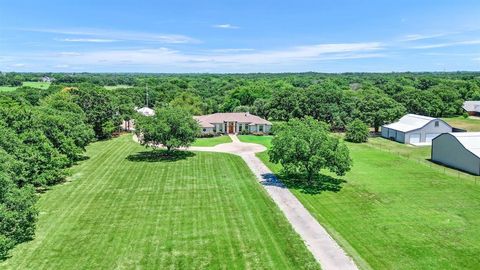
x=323, y=247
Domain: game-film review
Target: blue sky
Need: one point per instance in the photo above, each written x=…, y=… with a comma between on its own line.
x=239, y=36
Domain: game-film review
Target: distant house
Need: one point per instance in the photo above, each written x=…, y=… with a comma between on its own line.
x=415, y=129
x=47, y=79
x=458, y=150
x=472, y=107
x=146, y=111
x=130, y=124
x=233, y=123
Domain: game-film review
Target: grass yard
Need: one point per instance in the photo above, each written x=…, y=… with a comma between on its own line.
x=393, y=213
x=469, y=124
x=263, y=140
x=40, y=85
x=124, y=209
x=7, y=88
x=112, y=87
x=212, y=141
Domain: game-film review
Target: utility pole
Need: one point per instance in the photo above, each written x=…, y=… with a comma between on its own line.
x=146, y=95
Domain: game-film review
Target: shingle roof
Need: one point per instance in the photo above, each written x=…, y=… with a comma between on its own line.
x=471, y=106
x=208, y=120
x=410, y=122
x=469, y=140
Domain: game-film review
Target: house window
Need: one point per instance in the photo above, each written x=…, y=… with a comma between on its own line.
x=204, y=129
x=261, y=128
x=240, y=127
x=437, y=123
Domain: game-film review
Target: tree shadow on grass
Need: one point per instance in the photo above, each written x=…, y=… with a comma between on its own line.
x=160, y=156
x=320, y=184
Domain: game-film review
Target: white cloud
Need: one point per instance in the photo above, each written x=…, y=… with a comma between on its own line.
x=61, y=66
x=448, y=44
x=19, y=65
x=165, y=56
x=115, y=35
x=415, y=37
x=225, y=26
x=92, y=40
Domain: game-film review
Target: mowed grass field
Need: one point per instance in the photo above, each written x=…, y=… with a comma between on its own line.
x=207, y=142
x=123, y=209
x=469, y=124
x=396, y=213
x=40, y=85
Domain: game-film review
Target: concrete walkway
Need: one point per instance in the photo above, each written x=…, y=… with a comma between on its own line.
x=325, y=250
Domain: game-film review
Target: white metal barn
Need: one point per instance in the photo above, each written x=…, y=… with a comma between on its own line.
x=458, y=150
x=415, y=129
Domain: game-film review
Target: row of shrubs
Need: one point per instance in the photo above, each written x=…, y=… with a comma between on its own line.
x=243, y=132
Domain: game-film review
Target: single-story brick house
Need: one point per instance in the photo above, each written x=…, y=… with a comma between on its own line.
x=232, y=123
x=472, y=107
x=415, y=129
x=458, y=150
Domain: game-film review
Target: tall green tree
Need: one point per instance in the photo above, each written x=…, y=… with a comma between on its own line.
x=170, y=127
x=306, y=147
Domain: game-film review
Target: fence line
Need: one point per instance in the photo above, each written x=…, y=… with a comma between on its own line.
x=442, y=169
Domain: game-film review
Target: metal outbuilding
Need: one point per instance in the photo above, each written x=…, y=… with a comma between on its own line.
x=415, y=129
x=458, y=150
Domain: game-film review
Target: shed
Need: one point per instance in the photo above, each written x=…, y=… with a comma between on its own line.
x=415, y=129
x=472, y=107
x=458, y=150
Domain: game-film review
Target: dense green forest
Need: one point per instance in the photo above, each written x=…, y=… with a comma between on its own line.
x=43, y=132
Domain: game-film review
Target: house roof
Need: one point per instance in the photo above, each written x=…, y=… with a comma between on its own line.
x=469, y=140
x=471, y=106
x=146, y=111
x=410, y=122
x=241, y=117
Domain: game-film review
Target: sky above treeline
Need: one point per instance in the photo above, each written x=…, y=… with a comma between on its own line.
x=239, y=36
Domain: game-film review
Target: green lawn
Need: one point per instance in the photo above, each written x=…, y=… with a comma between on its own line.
x=212, y=141
x=396, y=213
x=122, y=209
x=111, y=87
x=468, y=124
x=263, y=140
x=40, y=85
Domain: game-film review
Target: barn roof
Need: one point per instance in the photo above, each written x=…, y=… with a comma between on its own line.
x=471, y=106
x=469, y=140
x=241, y=117
x=410, y=122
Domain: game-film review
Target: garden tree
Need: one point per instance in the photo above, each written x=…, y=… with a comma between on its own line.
x=171, y=127
x=261, y=107
x=188, y=102
x=286, y=104
x=376, y=108
x=357, y=132
x=420, y=102
x=242, y=108
x=306, y=147
x=100, y=107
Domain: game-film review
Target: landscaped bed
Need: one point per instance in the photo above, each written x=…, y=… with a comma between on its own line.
x=396, y=213
x=125, y=208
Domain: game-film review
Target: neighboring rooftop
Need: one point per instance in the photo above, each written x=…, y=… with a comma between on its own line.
x=410, y=122
x=146, y=111
x=241, y=117
x=471, y=106
x=469, y=140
